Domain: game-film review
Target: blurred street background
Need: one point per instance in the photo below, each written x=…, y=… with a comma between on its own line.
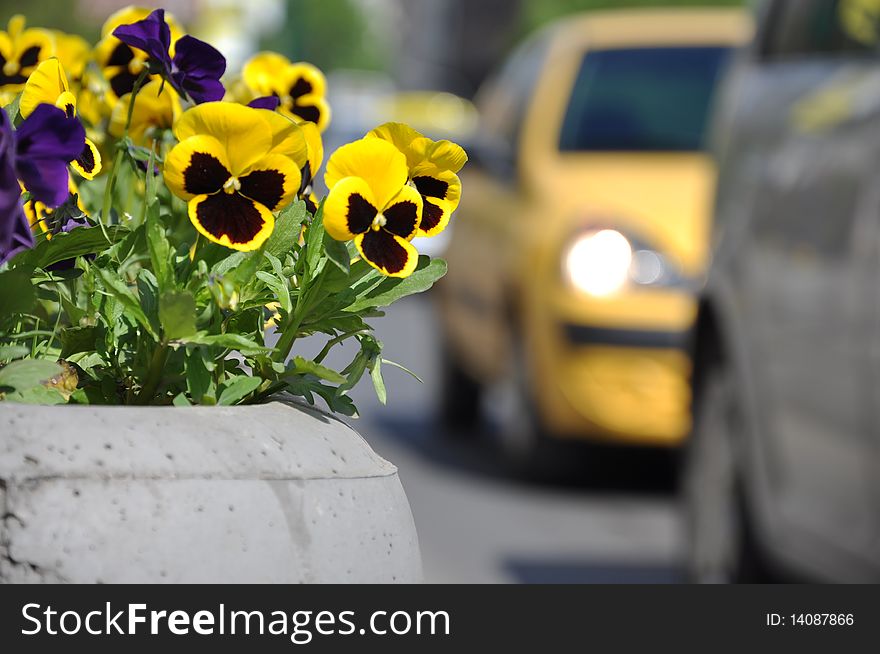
x=609, y=513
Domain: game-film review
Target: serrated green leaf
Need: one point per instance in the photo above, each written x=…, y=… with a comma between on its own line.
x=177, y=313
x=337, y=253
x=238, y=388
x=287, y=229
x=125, y=296
x=235, y=342
x=160, y=249
x=27, y=373
x=302, y=366
x=392, y=288
x=279, y=288
x=10, y=352
x=314, y=242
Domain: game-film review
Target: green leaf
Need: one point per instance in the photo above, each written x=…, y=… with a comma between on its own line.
x=228, y=341
x=37, y=395
x=337, y=253
x=405, y=369
x=279, y=288
x=180, y=400
x=10, y=352
x=237, y=389
x=68, y=245
x=126, y=297
x=199, y=381
x=16, y=293
x=177, y=313
x=287, y=228
x=314, y=241
x=302, y=366
x=378, y=382
x=392, y=288
x=160, y=249
x=78, y=339
x=12, y=109
x=27, y=373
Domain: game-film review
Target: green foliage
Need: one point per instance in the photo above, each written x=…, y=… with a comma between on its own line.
x=147, y=315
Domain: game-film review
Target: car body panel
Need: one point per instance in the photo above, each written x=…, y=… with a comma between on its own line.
x=793, y=286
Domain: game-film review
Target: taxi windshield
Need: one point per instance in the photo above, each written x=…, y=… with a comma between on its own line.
x=642, y=99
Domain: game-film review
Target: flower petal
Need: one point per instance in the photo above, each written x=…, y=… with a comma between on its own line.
x=401, y=136
x=377, y=162
x=349, y=209
x=273, y=182
x=231, y=220
x=263, y=71
x=269, y=102
x=403, y=215
x=315, y=146
x=288, y=137
x=45, y=142
x=390, y=254
x=152, y=35
x=88, y=163
x=44, y=86
x=311, y=108
x=199, y=67
x=436, y=183
x=196, y=166
x=155, y=106
x=243, y=132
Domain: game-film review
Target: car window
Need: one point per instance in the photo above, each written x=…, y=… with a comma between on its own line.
x=797, y=29
x=642, y=99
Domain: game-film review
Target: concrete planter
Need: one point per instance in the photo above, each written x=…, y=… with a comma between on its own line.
x=270, y=493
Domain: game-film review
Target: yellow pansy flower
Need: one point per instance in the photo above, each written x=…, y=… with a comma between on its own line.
x=235, y=165
x=21, y=49
x=371, y=202
x=432, y=169
x=73, y=51
x=48, y=85
x=309, y=171
x=156, y=107
x=300, y=87
x=121, y=63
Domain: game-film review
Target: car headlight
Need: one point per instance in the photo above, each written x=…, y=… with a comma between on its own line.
x=600, y=262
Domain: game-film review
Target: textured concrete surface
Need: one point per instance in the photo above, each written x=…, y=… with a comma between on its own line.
x=273, y=493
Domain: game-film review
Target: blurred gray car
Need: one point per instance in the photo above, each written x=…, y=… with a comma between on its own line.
x=782, y=478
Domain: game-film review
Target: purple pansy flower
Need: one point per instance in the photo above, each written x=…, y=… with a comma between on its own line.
x=37, y=154
x=196, y=68
x=269, y=102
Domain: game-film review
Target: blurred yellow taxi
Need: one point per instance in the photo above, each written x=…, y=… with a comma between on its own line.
x=581, y=241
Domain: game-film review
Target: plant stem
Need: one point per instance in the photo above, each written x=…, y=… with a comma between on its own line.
x=117, y=161
x=288, y=336
x=154, y=375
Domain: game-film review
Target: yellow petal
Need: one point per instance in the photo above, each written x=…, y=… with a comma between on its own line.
x=244, y=132
x=447, y=155
x=231, y=220
x=263, y=72
x=88, y=164
x=377, y=162
x=197, y=165
x=387, y=253
x=273, y=181
x=433, y=182
x=401, y=136
x=312, y=108
x=315, y=145
x=288, y=137
x=44, y=86
x=152, y=109
x=349, y=209
x=302, y=79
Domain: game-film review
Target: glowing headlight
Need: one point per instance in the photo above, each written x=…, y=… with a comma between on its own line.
x=599, y=262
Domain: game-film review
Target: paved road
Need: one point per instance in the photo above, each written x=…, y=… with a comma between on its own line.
x=477, y=524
